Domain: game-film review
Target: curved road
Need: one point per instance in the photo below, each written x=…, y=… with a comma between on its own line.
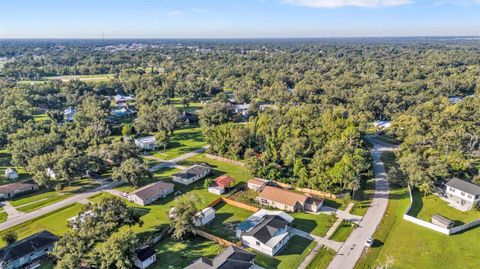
x=352, y=249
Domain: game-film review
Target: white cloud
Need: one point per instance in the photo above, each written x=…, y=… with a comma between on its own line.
x=344, y=3
x=175, y=13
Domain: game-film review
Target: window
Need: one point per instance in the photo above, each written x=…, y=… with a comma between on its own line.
x=469, y=196
x=463, y=194
x=258, y=243
x=452, y=189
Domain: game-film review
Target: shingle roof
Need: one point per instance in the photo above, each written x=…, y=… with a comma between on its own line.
x=152, y=189
x=230, y=258
x=192, y=171
x=464, y=186
x=258, y=181
x=146, y=139
x=267, y=228
x=144, y=253
x=26, y=246
x=224, y=181
x=15, y=186
x=282, y=196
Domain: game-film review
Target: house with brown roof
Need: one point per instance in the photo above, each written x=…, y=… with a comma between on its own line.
x=221, y=184
x=15, y=189
x=257, y=184
x=150, y=193
x=288, y=200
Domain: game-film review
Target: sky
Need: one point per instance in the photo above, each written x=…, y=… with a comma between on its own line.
x=237, y=18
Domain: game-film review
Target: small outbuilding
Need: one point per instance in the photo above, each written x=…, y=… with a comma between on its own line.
x=11, y=173
x=442, y=221
x=146, y=143
x=205, y=216
x=257, y=184
x=145, y=257
x=221, y=184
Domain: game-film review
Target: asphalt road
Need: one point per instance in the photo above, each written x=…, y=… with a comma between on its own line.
x=352, y=249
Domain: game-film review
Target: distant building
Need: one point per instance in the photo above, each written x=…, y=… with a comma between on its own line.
x=265, y=231
x=230, y=258
x=257, y=184
x=27, y=250
x=146, y=143
x=11, y=173
x=221, y=184
x=15, y=189
x=69, y=113
x=382, y=124
x=123, y=99
x=51, y=173
x=205, y=216
x=145, y=257
x=288, y=200
x=122, y=112
x=462, y=193
x=191, y=174
x=150, y=193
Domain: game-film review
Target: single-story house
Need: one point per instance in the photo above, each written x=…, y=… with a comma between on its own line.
x=122, y=99
x=230, y=258
x=265, y=231
x=382, y=124
x=191, y=174
x=27, y=250
x=257, y=184
x=51, y=173
x=221, y=184
x=442, y=221
x=146, y=143
x=122, y=112
x=15, y=189
x=205, y=216
x=11, y=173
x=145, y=257
x=150, y=193
x=462, y=193
x=69, y=113
x=288, y=200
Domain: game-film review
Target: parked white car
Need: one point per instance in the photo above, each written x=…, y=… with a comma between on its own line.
x=369, y=242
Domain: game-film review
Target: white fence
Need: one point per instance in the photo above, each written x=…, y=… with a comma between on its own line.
x=434, y=227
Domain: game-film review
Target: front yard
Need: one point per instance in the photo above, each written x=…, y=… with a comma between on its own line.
x=323, y=257
x=312, y=223
x=290, y=257
x=343, y=231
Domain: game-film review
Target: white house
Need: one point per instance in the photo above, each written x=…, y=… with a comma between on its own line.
x=51, y=173
x=122, y=99
x=11, y=173
x=150, y=193
x=382, y=124
x=191, y=174
x=205, y=216
x=146, y=143
x=145, y=257
x=462, y=194
x=257, y=184
x=265, y=231
x=69, y=113
x=221, y=184
x=231, y=257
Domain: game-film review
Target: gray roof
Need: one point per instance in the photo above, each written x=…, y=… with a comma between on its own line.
x=151, y=190
x=442, y=219
x=192, y=171
x=464, y=186
x=26, y=246
x=230, y=258
x=267, y=228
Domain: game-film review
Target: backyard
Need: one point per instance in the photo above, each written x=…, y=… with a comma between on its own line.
x=227, y=217
x=183, y=141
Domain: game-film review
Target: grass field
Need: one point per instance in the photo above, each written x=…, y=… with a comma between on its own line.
x=41, y=117
x=315, y=224
x=96, y=77
x=55, y=222
x=402, y=244
x=424, y=207
x=227, y=217
x=3, y=216
x=178, y=254
x=290, y=257
x=343, y=231
x=322, y=259
x=182, y=141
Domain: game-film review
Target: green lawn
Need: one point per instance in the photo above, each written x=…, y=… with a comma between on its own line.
x=55, y=222
x=322, y=259
x=343, y=231
x=182, y=141
x=387, y=139
x=95, y=77
x=315, y=224
x=227, y=217
x=41, y=117
x=155, y=215
x=178, y=254
x=290, y=257
x=3, y=216
x=388, y=159
x=402, y=244
x=46, y=265
x=34, y=201
x=361, y=206
x=424, y=207
x=162, y=174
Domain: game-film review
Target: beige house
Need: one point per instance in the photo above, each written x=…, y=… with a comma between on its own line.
x=288, y=200
x=150, y=193
x=15, y=189
x=257, y=184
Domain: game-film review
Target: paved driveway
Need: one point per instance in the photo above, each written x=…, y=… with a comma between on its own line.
x=352, y=249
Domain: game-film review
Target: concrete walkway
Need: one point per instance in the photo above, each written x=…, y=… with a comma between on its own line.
x=352, y=249
x=320, y=240
x=11, y=210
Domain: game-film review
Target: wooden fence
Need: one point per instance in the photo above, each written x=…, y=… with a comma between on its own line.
x=223, y=159
x=234, y=203
x=310, y=191
x=216, y=239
